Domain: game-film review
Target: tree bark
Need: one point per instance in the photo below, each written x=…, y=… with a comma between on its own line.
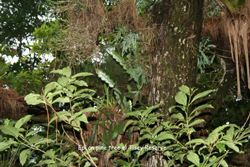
x=174, y=59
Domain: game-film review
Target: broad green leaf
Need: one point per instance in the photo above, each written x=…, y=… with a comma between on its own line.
x=87, y=164
x=4, y=146
x=194, y=158
x=6, y=122
x=125, y=164
x=181, y=98
x=149, y=109
x=50, y=153
x=115, y=132
x=145, y=136
x=82, y=74
x=195, y=141
x=49, y=87
x=196, y=122
x=165, y=136
x=65, y=71
x=214, y=160
x=34, y=139
x=105, y=78
x=44, y=141
x=89, y=109
x=80, y=83
x=71, y=88
x=73, y=154
x=23, y=156
x=178, y=116
x=32, y=132
x=128, y=123
x=158, y=129
x=185, y=89
x=8, y=130
x=83, y=95
x=33, y=99
x=52, y=95
x=83, y=118
x=63, y=81
x=76, y=105
x=176, y=106
x=22, y=121
x=224, y=163
x=62, y=100
x=231, y=145
x=221, y=147
x=213, y=136
x=62, y=113
x=83, y=91
x=118, y=58
x=57, y=71
x=230, y=133
x=201, y=107
x=201, y=95
x=146, y=130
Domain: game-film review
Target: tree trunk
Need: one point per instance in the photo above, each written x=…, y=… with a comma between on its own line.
x=174, y=59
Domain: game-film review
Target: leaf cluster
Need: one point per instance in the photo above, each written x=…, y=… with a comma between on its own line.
x=173, y=138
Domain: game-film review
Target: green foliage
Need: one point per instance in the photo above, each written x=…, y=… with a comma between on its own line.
x=45, y=38
x=18, y=20
x=134, y=87
x=173, y=138
x=63, y=91
x=234, y=6
x=205, y=49
x=3, y=68
x=211, y=9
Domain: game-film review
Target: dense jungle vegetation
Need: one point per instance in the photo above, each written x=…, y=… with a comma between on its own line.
x=124, y=83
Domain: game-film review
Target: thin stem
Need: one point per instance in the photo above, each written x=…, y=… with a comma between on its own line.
x=210, y=153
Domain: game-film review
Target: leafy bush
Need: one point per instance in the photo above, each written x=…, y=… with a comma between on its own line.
x=172, y=139
x=64, y=91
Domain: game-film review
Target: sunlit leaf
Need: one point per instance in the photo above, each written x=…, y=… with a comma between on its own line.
x=202, y=94
x=62, y=81
x=181, y=98
x=49, y=87
x=65, y=71
x=185, y=89
x=22, y=121
x=50, y=153
x=194, y=158
x=196, y=122
x=8, y=130
x=4, y=146
x=201, y=107
x=105, y=78
x=33, y=99
x=80, y=83
x=195, y=141
x=165, y=136
x=62, y=100
x=82, y=74
x=231, y=145
x=23, y=156
x=178, y=116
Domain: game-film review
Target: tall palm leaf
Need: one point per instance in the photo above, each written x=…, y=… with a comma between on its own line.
x=236, y=17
